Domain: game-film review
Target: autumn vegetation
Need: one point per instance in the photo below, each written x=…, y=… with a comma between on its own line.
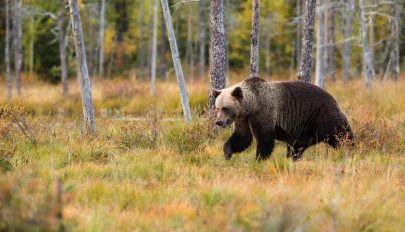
x=146, y=169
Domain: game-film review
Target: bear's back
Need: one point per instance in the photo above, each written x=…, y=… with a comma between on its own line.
x=302, y=107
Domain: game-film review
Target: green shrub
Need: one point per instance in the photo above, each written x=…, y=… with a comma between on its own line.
x=187, y=138
x=143, y=133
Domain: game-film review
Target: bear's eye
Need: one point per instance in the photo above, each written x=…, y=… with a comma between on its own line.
x=225, y=109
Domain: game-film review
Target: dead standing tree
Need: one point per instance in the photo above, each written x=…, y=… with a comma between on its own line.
x=101, y=39
x=154, y=49
x=163, y=49
x=17, y=37
x=330, y=50
x=202, y=34
x=369, y=72
x=217, y=49
x=395, y=31
x=254, y=49
x=305, y=67
x=141, y=41
x=298, y=32
x=82, y=71
x=176, y=61
x=7, y=50
x=347, y=34
x=62, y=47
x=320, y=70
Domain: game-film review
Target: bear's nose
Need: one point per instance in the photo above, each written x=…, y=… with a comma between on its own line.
x=219, y=123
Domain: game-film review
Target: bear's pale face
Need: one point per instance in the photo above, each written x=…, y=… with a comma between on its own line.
x=227, y=106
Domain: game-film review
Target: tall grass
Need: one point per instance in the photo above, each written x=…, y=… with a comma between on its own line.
x=147, y=170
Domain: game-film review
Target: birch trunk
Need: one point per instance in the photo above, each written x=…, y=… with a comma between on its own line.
x=7, y=50
x=395, y=31
x=154, y=49
x=62, y=47
x=330, y=41
x=176, y=61
x=217, y=49
x=298, y=15
x=18, y=56
x=141, y=40
x=102, y=38
x=31, y=58
x=202, y=35
x=369, y=72
x=320, y=47
x=305, y=67
x=347, y=33
x=150, y=36
x=254, y=49
x=163, y=50
x=189, y=47
x=83, y=73
x=371, y=38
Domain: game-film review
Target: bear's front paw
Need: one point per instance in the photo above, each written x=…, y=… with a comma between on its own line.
x=227, y=152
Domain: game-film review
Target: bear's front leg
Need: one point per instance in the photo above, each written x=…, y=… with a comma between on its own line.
x=265, y=138
x=240, y=139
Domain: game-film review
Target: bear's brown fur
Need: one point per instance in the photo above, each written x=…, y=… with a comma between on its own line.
x=298, y=113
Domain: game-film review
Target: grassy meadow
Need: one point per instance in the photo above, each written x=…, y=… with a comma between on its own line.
x=147, y=170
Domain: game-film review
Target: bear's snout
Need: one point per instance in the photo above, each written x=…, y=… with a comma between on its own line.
x=222, y=124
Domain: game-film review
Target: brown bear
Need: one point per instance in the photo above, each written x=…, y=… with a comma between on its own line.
x=296, y=112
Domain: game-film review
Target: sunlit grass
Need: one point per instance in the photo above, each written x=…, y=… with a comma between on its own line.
x=147, y=170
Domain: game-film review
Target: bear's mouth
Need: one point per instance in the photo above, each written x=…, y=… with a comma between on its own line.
x=223, y=124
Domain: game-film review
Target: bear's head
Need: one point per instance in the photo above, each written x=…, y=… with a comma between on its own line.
x=227, y=105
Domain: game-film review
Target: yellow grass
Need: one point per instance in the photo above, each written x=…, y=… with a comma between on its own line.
x=146, y=170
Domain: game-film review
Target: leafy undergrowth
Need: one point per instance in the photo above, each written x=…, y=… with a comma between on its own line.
x=147, y=170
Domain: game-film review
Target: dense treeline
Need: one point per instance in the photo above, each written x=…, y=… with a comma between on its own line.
x=128, y=36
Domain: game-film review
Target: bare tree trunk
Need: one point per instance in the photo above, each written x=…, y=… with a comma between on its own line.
x=18, y=55
x=347, y=34
x=163, y=50
x=217, y=49
x=298, y=15
x=305, y=69
x=369, y=72
x=176, y=61
x=202, y=35
x=371, y=38
x=154, y=49
x=62, y=47
x=91, y=16
x=228, y=26
x=101, y=39
x=320, y=46
x=141, y=40
x=189, y=46
x=254, y=49
x=83, y=73
x=330, y=38
x=150, y=36
x=395, y=31
x=31, y=58
x=7, y=50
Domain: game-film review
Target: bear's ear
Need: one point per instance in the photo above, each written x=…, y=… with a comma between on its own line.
x=216, y=92
x=237, y=93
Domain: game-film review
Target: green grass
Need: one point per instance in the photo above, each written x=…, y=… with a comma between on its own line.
x=154, y=174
